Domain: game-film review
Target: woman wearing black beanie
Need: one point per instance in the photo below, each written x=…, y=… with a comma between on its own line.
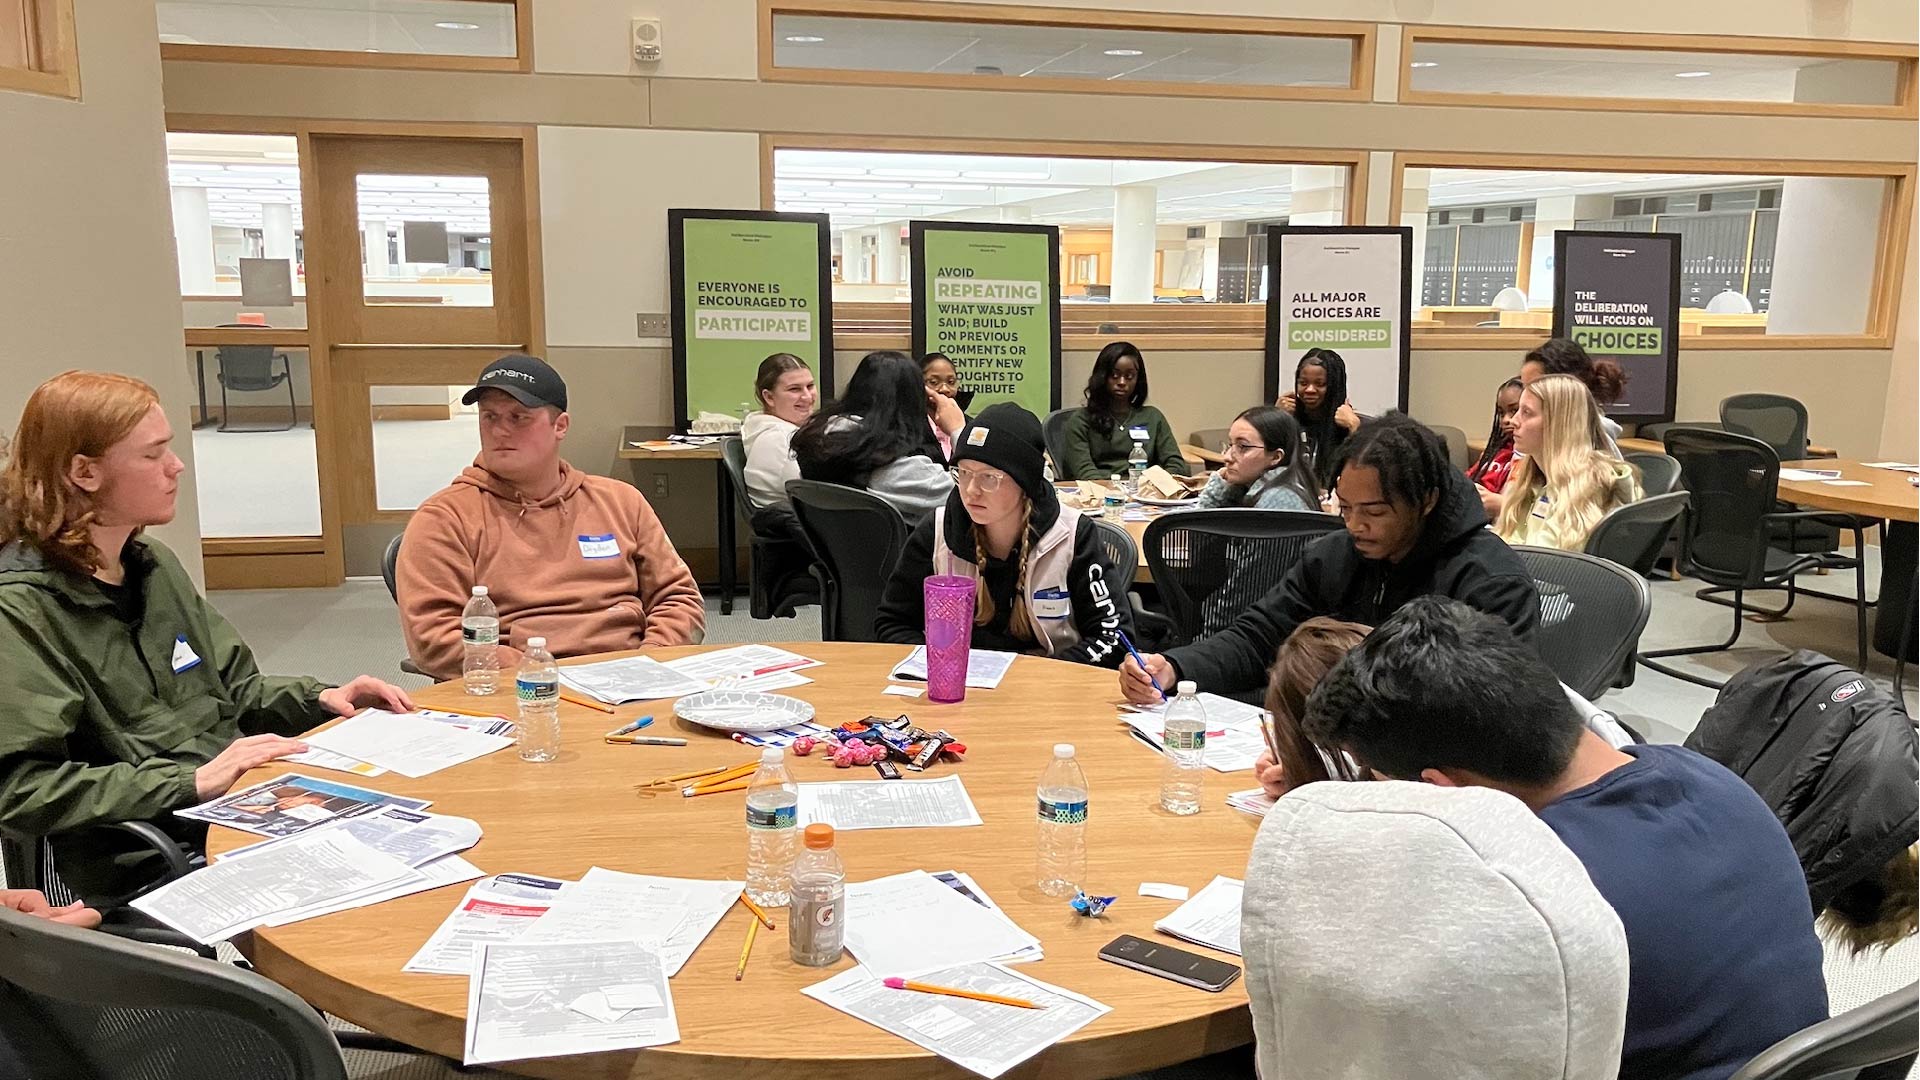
x=1042, y=579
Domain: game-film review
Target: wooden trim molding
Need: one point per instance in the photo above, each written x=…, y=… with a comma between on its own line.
x=1361, y=35
x=53, y=53
x=521, y=61
x=1904, y=55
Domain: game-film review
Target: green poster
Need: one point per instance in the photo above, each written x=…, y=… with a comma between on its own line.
x=988, y=297
x=746, y=284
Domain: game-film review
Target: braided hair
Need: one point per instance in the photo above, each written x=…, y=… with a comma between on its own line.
x=1497, y=437
x=983, y=611
x=1323, y=436
x=1411, y=460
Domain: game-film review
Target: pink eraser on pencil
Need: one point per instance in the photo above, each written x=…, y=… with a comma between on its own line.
x=895, y=983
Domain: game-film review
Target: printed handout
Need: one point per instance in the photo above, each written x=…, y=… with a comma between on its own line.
x=985, y=668
x=291, y=803
x=704, y=903
x=549, y=999
x=232, y=895
x=968, y=931
x=410, y=745
x=1234, y=741
x=1211, y=918
x=636, y=678
x=500, y=908
x=887, y=804
x=754, y=667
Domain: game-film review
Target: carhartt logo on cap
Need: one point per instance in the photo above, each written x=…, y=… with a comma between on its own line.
x=977, y=437
x=506, y=373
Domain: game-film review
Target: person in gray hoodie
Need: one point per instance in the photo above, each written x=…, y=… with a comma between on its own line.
x=876, y=437
x=1397, y=929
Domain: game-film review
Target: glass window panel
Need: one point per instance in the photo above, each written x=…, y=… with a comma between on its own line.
x=1093, y=54
x=1561, y=71
x=426, y=240
x=252, y=479
x=422, y=438
x=235, y=198
x=408, y=27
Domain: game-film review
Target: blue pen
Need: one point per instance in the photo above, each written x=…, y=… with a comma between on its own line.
x=1138, y=659
x=635, y=726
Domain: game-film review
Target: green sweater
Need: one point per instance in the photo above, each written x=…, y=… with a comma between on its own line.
x=105, y=722
x=1096, y=455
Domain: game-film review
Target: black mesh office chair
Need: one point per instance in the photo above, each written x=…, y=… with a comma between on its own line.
x=1456, y=441
x=27, y=862
x=857, y=538
x=1659, y=474
x=1209, y=565
x=249, y=369
x=1591, y=614
x=1634, y=535
x=80, y=1003
x=389, y=562
x=1734, y=483
x=1774, y=419
x=1054, y=427
x=780, y=566
x=1123, y=558
x=1876, y=1041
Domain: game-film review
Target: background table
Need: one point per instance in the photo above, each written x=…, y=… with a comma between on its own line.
x=631, y=450
x=584, y=810
x=1888, y=496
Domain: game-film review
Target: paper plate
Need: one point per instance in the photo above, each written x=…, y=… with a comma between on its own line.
x=742, y=710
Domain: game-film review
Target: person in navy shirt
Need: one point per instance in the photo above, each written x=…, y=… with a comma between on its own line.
x=1720, y=940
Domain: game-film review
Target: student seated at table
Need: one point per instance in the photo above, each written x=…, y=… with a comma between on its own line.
x=1319, y=405
x=876, y=437
x=942, y=379
x=580, y=560
x=1720, y=936
x=1413, y=527
x=1399, y=930
x=1564, y=484
x=1265, y=466
x=784, y=385
x=127, y=695
x=1042, y=577
x=1101, y=436
x=1496, y=459
x=1604, y=379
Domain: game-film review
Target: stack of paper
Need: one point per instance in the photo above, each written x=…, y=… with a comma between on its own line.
x=406, y=743
x=982, y=1037
x=291, y=803
x=746, y=667
x=967, y=931
x=636, y=678
x=1234, y=739
x=1253, y=801
x=679, y=913
x=548, y=999
x=985, y=668
x=967, y=887
x=1211, y=918
x=500, y=908
x=309, y=871
x=887, y=804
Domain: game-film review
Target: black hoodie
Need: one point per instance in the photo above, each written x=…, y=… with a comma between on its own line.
x=1456, y=556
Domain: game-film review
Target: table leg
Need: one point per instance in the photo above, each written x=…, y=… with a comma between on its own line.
x=1894, y=615
x=726, y=539
x=200, y=380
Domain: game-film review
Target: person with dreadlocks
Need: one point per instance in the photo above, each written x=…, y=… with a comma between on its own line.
x=1319, y=405
x=1044, y=585
x=1414, y=527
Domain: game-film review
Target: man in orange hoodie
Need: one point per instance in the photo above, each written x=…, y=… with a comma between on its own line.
x=580, y=560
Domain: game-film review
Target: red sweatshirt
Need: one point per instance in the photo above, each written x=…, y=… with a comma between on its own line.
x=589, y=568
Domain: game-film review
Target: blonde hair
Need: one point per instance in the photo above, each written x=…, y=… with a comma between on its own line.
x=74, y=413
x=1577, y=477
x=983, y=611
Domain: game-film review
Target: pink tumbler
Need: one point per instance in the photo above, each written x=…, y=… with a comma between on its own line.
x=949, y=636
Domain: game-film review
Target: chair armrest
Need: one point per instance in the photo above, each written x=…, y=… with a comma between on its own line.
x=1798, y=515
x=179, y=864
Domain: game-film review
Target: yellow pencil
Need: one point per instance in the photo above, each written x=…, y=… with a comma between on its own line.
x=568, y=695
x=665, y=781
x=954, y=991
x=466, y=712
x=746, y=951
x=741, y=784
x=758, y=912
x=727, y=775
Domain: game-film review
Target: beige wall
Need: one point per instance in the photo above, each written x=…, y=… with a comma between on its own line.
x=87, y=274
x=1900, y=436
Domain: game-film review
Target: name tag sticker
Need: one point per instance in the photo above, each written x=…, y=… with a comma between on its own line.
x=1052, y=604
x=1138, y=433
x=184, y=658
x=599, y=547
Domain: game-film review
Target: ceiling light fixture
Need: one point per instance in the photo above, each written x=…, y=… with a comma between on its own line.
x=1424, y=64
x=805, y=39
x=457, y=25
x=1691, y=74
x=1125, y=52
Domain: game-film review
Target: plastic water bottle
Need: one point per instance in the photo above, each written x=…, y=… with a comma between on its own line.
x=1114, y=507
x=1063, y=824
x=773, y=830
x=1136, y=466
x=1186, y=743
x=815, y=930
x=480, y=632
x=538, y=688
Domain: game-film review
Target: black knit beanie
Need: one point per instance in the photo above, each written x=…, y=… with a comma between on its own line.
x=1008, y=438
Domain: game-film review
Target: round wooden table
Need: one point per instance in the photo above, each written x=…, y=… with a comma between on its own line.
x=585, y=810
x=1887, y=495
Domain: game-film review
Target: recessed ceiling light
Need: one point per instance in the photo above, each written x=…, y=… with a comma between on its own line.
x=1125, y=52
x=457, y=25
x=1691, y=74
x=805, y=39
x=1424, y=64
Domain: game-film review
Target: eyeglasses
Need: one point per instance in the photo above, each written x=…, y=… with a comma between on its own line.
x=1237, y=449
x=987, y=481
x=936, y=382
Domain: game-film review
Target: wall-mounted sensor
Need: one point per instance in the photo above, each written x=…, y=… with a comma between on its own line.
x=646, y=40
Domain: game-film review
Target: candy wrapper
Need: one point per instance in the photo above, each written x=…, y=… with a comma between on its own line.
x=1091, y=906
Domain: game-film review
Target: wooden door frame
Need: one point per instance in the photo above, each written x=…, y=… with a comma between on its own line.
x=283, y=562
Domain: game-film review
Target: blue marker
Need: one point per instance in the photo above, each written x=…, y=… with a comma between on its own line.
x=1138, y=659
x=635, y=726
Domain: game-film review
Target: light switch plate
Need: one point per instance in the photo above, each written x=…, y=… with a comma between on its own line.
x=649, y=325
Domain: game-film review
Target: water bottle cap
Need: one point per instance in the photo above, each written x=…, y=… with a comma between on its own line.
x=1063, y=750
x=479, y=590
x=1186, y=686
x=772, y=755
x=817, y=837
x=536, y=643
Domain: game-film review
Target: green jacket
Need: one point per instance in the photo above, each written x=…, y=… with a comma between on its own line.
x=99, y=726
x=1097, y=455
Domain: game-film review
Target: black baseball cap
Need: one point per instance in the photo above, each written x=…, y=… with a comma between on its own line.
x=528, y=378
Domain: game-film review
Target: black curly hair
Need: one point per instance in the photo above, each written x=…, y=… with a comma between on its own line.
x=1411, y=459
x=1323, y=435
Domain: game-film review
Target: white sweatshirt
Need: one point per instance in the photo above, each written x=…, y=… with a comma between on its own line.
x=769, y=445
